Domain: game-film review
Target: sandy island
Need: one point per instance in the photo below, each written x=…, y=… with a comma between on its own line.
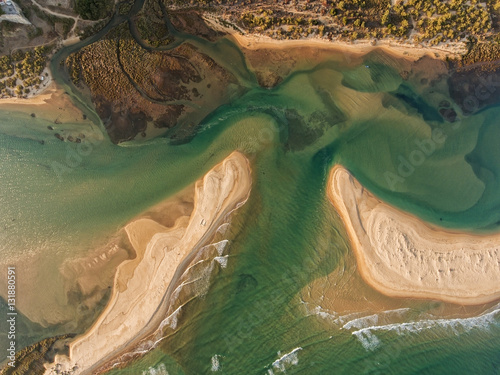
x=402, y=256
x=141, y=283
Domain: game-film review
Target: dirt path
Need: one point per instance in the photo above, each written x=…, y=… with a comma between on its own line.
x=46, y=10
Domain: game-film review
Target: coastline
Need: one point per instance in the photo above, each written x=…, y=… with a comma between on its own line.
x=359, y=47
x=40, y=98
x=136, y=306
x=52, y=104
x=45, y=86
x=35, y=100
x=401, y=256
x=254, y=41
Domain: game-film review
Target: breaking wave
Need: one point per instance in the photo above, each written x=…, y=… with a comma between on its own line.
x=370, y=341
x=285, y=361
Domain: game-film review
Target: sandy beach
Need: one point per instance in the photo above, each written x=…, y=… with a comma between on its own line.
x=34, y=100
x=141, y=283
x=401, y=256
x=52, y=104
x=253, y=43
x=359, y=47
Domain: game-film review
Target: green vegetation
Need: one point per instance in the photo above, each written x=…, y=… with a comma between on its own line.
x=438, y=21
x=74, y=67
x=67, y=23
x=97, y=65
x=151, y=24
x=133, y=85
x=114, y=67
x=482, y=52
x=29, y=361
x=93, y=29
x=34, y=32
x=429, y=21
x=23, y=67
x=154, y=34
x=6, y=67
x=93, y=9
x=33, y=63
x=8, y=26
x=267, y=20
x=124, y=7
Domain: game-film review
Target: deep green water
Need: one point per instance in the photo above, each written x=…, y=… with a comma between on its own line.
x=287, y=235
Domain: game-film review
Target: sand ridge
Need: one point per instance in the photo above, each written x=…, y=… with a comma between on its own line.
x=401, y=256
x=141, y=283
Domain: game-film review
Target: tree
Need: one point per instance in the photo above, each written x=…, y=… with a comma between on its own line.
x=93, y=9
x=19, y=90
x=386, y=17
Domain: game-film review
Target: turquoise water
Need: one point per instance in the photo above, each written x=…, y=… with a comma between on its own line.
x=252, y=319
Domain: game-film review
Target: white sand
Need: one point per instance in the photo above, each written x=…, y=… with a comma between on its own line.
x=141, y=283
x=402, y=256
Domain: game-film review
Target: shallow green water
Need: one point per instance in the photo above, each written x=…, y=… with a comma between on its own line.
x=287, y=235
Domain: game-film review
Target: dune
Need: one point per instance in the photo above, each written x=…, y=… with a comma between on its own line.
x=141, y=286
x=401, y=256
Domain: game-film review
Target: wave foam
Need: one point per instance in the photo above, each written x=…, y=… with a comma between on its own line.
x=170, y=320
x=220, y=246
x=365, y=327
x=216, y=363
x=286, y=360
x=373, y=320
x=222, y=261
x=367, y=339
x=457, y=326
x=223, y=228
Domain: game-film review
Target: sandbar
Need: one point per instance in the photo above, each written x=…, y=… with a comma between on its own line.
x=400, y=255
x=141, y=283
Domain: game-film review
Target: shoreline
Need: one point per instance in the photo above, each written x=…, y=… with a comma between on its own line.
x=254, y=41
x=401, y=256
x=359, y=47
x=53, y=105
x=40, y=98
x=142, y=285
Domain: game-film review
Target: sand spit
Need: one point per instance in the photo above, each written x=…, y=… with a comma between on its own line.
x=402, y=256
x=141, y=283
